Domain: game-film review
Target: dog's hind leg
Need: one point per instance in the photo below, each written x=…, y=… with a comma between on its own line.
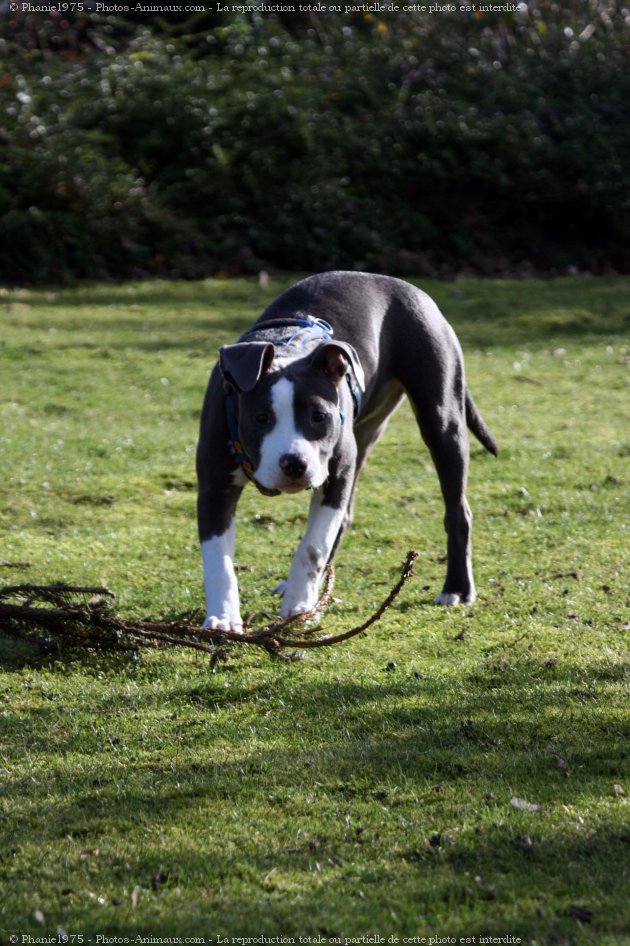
x=442, y=422
x=449, y=450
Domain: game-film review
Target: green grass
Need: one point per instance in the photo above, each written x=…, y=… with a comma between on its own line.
x=330, y=797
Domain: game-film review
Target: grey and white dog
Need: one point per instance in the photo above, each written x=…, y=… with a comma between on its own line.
x=298, y=403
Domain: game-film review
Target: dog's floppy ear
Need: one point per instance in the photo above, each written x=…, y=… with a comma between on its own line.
x=244, y=363
x=333, y=357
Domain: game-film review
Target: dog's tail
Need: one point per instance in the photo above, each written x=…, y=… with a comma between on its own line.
x=476, y=423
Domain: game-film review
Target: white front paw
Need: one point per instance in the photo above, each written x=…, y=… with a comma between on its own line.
x=224, y=623
x=301, y=603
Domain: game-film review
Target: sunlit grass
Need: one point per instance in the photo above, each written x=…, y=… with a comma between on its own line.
x=368, y=788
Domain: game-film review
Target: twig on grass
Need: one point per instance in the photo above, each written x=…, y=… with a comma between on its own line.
x=329, y=639
x=28, y=610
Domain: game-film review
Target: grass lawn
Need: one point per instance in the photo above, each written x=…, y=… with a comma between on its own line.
x=367, y=791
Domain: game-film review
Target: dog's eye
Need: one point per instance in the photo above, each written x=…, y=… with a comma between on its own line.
x=262, y=419
x=318, y=417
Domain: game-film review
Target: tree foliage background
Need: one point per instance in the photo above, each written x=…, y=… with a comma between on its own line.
x=402, y=142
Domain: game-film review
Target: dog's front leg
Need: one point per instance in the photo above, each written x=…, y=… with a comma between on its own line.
x=220, y=486
x=217, y=541
x=219, y=578
x=326, y=519
x=305, y=576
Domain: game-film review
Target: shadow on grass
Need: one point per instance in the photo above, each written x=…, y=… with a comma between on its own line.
x=20, y=653
x=400, y=748
x=410, y=731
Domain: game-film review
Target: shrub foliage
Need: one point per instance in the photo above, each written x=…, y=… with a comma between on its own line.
x=402, y=142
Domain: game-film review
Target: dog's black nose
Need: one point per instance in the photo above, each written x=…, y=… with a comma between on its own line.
x=293, y=465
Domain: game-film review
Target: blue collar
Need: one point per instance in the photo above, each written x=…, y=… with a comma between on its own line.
x=313, y=326
x=303, y=324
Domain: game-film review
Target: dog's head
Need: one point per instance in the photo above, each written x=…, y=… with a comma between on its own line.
x=290, y=414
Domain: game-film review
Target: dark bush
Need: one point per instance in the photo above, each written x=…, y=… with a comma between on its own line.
x=405, y=143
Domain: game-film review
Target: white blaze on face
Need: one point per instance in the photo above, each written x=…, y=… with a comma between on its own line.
x=285, y=438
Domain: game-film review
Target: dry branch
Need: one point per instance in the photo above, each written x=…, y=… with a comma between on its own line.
x=83, y=616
